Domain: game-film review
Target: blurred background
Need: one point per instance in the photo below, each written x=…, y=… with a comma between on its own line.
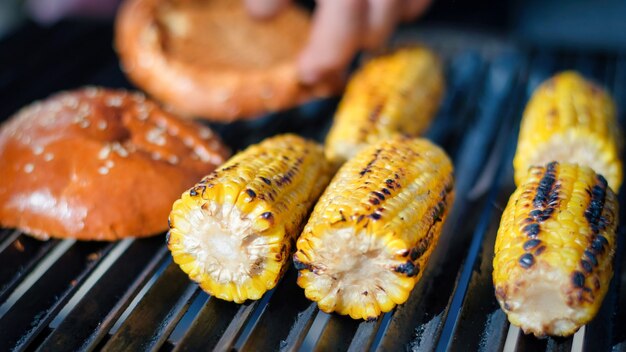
x=583, y=24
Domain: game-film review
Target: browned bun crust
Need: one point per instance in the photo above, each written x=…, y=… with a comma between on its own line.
x=209, y=59
x=97, y=164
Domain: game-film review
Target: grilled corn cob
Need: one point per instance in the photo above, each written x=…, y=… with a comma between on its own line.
x=395, y=93
x=233, y=231
x=372, y=231
x=554, y=249
x=569, y=119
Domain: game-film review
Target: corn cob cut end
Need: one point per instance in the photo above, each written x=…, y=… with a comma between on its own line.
x=218, y=248
x=574, y=146
x=369, y=238
x=572, y=120
x=233, y=231
x=554, y=249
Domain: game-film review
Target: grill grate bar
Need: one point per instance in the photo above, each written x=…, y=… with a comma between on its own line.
x=156, y=314
x=106, y=293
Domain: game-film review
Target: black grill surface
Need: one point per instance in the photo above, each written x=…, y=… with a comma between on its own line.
x=71, y=295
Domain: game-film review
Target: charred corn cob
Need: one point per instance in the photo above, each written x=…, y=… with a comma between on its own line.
x=395, y=93
x=554, y=249
x=372, y=231
x=569, y=119
x=233, y=231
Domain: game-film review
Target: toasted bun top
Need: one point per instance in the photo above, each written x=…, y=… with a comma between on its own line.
x=99, y=164
x=211, y=59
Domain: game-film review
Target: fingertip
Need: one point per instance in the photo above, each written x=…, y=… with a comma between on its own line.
x=264, y=9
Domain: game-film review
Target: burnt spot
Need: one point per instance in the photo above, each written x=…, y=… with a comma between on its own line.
x=375, y=216
x=374, y=201
x=592, y=257
x=267, y=181
x=368, y=167
x=587, y=267
x=546, y=191
x=371, y=319
x=408, y=268
x=300, y=265
x=169, y=224
x=375, y=114
x=364, y=293
x=251, y=193
x=193, y=192
x=578, y=279
x=526, y=260
x=343, y=217
x=386, y=191
x=540, y=250
x=530, y=244
x=379, y=195
x=267, y=215
x=532, y=230
x=596, y=282
x=598, y=243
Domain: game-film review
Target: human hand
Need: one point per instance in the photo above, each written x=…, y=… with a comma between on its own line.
x=341, y=28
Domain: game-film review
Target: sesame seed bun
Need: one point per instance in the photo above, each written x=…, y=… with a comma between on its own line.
x=210, y=59
x=97, y=164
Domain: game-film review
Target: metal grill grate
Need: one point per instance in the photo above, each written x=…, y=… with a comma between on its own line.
x=69, y=295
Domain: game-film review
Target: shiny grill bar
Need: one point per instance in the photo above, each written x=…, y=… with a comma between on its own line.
x=70, y=295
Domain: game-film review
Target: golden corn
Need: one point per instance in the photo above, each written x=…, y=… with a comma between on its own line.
x=395, y=93
x=554, y=249
x=232, y=232
x=569, y=119
x=372, y=231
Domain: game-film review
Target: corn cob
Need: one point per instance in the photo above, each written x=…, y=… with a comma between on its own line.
x=395, y=93
x=233, y=231
x=569, y=119
x=371, y=233
x=554, y=249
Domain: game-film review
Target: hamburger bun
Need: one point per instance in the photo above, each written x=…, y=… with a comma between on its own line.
x=96, y=164
x=210, y=59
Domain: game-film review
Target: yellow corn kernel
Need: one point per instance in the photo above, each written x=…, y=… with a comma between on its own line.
x=233, y=231
x=569, y=119
x=370, y=235
x=392, y=94
x=554, y=249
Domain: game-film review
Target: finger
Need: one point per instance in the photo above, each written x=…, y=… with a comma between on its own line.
x=382, y=18
x=334, y=38
x=413, y=9
x=264, y=8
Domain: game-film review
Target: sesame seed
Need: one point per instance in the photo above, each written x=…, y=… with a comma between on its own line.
x=156, y=156
x=38, y=150
x=91, y=92
x=103, y=170
x=104, y=152
x=139, y=97
x=114, y=102
x=205, y=133
x=28, y=168
x=173, y=159
x=109, y=163
x=48, y=156
x=102, y=125
x=155, y=136
x=84, y=124
x=188, y=141
x=119, y=149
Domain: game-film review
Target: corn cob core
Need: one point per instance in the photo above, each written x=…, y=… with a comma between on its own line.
x=554, y=249
x=374, y=228
x=233, y=231
x=569, y=119
x=395, y=93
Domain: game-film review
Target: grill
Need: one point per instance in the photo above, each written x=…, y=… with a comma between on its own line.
x=128, y=295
